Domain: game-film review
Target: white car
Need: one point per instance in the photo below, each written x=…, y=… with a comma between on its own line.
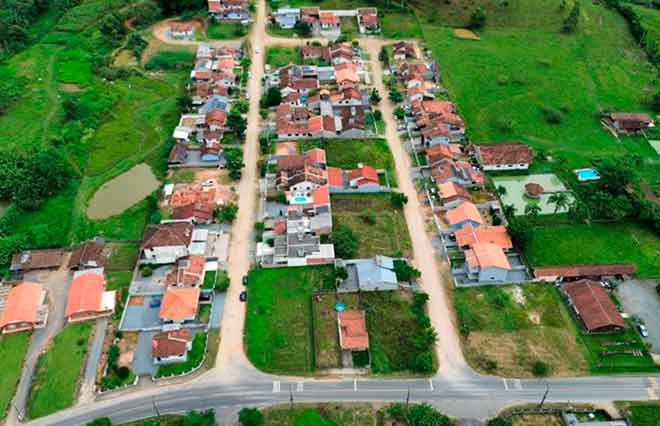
x=208, y=183
x=257, y=50
x=643, y=330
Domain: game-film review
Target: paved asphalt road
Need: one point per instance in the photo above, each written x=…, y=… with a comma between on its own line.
x=234, y=383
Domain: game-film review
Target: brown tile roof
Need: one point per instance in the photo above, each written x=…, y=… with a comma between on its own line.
x=505, y=153
x=574, y=271
x=468, y=235
x=37, y=259
x=594, y=305
x=178, y=154
x=167, y=234
x=200, y=212
x=170, y=343
x=88, y=253
x=353, y=330
x=188, y=271
x=179, y=303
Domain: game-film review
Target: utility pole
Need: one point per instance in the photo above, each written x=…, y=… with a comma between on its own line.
x=290, y=397
x=153, y=401
x=19, y=415
x=408, y=398
x=545, y=395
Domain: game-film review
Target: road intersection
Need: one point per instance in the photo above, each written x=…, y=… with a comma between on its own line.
x=234, y=382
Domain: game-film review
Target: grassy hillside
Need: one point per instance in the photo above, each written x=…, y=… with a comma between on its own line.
x=504, y=82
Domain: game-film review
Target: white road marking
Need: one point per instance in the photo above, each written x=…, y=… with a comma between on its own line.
x=276, y=386
x=517, y=384
x=431, y=383
x=299, y=387
x=355, y=385
x=506, y=386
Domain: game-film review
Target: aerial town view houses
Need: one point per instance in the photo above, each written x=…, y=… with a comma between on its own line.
x=237, y=212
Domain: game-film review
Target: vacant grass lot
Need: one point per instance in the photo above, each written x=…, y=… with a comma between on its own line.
x=58, y=369
x=226, y=30
x=326, y=334
x=523, y=72
x=278, y=328
x=597, y=243
x=400, y=25
x=537, y=420
x=348, y=153
x=320, y=415
x=278, y=56
x=642, y=413
x=496, y=327
x=12, y=351
x=388, y=235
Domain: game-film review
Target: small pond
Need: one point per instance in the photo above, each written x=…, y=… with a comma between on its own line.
x=122, y=192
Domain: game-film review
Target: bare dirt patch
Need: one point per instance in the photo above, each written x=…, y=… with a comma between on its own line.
x=127, y=345
x=537, y=420
x=465, y=34
x=70, y=87
x=136, y=300
x=535, y=318
x=125, y=58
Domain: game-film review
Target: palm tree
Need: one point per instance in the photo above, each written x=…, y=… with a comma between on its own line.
x=532, y=210
x=509, y=210
x=560, y=200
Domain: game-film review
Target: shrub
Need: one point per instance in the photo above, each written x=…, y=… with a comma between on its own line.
x=368, y=216
x=123, y=373
x=570, y=24
x=540, y=368
x=477, y=18
x=399, y=113
x=398, y=199
x=228, y=213
x=345, y=241
x=405, y=272
x=250, y=417
x=100, y=421
x=147, y=271
x=222, y=281
x=499, y=421
x=551, y=115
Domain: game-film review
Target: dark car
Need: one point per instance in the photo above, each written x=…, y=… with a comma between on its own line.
x=245, y=280
x=243, y=296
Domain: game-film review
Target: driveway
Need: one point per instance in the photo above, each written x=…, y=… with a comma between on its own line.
x=140, y=316
x=639, y=297
x=93, y=359
x=143, y=363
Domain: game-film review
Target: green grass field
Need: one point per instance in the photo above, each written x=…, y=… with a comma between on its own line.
x=278, y=329
x=58, y=371
x=278, y=56
x=496, y=327
x=320, y=415
x=13, y=348
x=348, y=153
x=528, y=66
x=226, y=30
x=642, y=413
x=597, y=243
x=387, y=236
x=400, y=25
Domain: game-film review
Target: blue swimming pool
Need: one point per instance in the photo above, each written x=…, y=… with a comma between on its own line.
x=300, y=199
x=587, y=174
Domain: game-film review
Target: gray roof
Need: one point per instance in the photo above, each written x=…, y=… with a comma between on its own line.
x=375, y=274
x=214, y=102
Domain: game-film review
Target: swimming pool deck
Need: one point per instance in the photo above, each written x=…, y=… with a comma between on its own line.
x=515, y=191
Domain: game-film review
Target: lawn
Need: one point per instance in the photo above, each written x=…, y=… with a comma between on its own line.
x=388, y=235
x=326, y=334
x=209, y=279
x=195, y=357
x=226, y=30
x=498, y=328
x=400, y=25
x=13, y=348
x=348, y=153
x=278, y=56
x=278, y=327
x=641, y=413
x=330, y=414
x=58, y=370
x=524, y=72
x=122, y=256
x=596, y=243
x=349, y=28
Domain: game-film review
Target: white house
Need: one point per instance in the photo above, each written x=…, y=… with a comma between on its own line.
x=166, y=242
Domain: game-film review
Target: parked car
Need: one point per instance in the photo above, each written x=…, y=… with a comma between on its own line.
x=643, y=330
x=243, y=296
x=245, y=280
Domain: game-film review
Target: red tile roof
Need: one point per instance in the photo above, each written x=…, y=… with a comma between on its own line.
x=170, y=343
x=200, y=212
x=85, y=293
x=329, y=18
x=321, y=195
x=179, y=303
x=594, y=305
x=353, y=330
x=366, y=175
x=504, y=153
x=486, y=255
x=22, y=304
x=574, y=271
x=462, y=212
x=335, y=176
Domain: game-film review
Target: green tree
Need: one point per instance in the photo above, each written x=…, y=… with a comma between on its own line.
x=112, y=27
x=184, y=102
x=520, y=230
x=228, y=213
x=374, y=98
x=199, y=418
x=499, y=421
x=540, y=368
x=236, y=122
x=560, y=200
x=398, y=199
x=345, y=242
x=395, y=95
x=404, y=271
x=234, y=158
x=399, y=113
x=570, y=24
x=532, y=210
x=273, y=97
x=477, y=18
x=100, y=421
x=250, y=417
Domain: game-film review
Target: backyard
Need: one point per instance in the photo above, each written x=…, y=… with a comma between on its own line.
x=385, y=232
x=13, y=348
x=226, y=30
x=516, y=195
x=508, y=329
x=56, y=376
x=596, y=243
x=529, y=68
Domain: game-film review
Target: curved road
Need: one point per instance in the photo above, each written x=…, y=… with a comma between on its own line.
x=234, y=383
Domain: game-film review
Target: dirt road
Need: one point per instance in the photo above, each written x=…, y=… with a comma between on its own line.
x=231, y=353
x=450, y=356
